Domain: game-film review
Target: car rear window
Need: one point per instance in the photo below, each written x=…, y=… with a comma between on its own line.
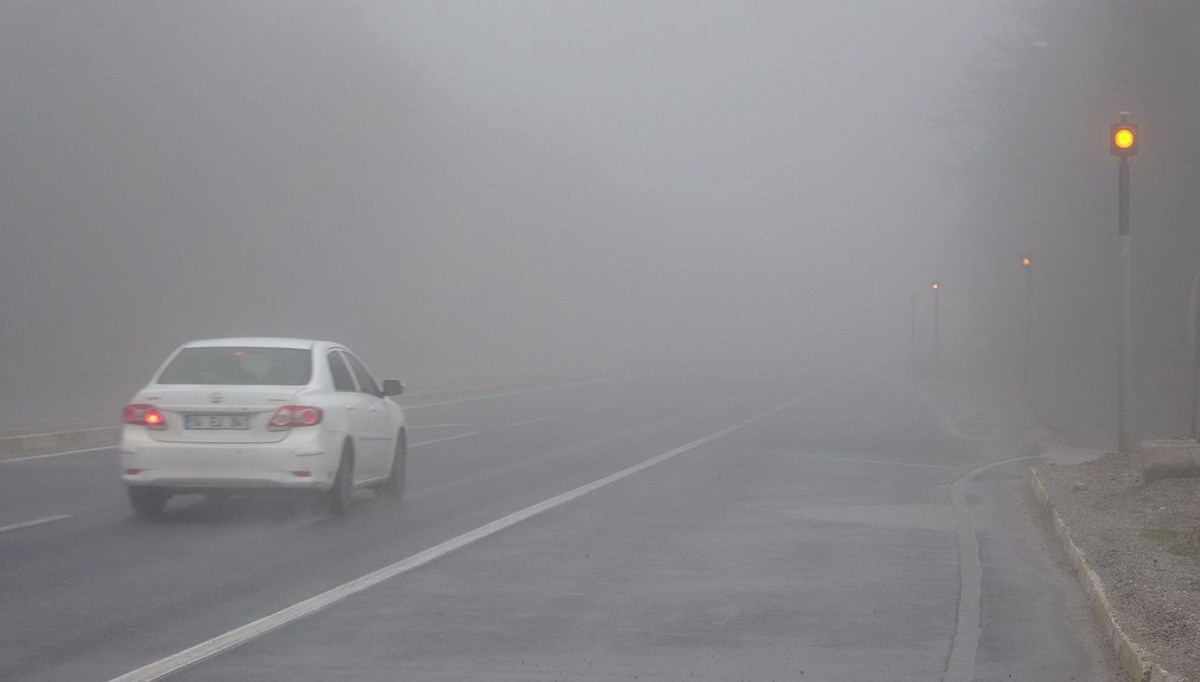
x=231, y=366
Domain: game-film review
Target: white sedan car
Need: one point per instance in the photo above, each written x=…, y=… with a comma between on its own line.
x=234, y=416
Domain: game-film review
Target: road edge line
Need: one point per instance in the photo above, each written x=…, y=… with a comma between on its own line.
x=968, y=625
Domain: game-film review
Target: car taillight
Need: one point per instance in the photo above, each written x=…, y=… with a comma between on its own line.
x=145, y=415
x=289, y=416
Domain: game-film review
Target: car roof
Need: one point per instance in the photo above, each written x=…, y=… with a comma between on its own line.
x=258, y=342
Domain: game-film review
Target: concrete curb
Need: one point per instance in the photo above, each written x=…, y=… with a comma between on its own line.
x=1134, y=659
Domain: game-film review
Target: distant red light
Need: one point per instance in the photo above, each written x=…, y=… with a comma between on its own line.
x=133, y=472
x=302, y=474
x=239, y=353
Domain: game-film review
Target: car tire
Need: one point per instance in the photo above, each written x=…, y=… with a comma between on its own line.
x=337, y=498
x=148, y=503
x=393, y=487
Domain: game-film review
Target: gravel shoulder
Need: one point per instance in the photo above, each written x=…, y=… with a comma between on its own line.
x=1143, y=539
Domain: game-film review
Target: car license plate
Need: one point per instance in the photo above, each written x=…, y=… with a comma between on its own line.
x=216, y=421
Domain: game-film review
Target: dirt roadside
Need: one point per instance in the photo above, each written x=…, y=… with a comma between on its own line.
x=1137, y=518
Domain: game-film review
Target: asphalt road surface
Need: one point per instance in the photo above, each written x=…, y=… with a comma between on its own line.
x=827, y=526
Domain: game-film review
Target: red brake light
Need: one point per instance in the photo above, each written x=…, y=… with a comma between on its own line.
x=145, y=415
x=290, y=416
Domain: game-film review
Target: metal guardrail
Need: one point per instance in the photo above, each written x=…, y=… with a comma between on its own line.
x=31, y=440
x=44, y=442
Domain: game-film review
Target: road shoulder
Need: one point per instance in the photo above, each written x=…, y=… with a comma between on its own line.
x=1143, y=595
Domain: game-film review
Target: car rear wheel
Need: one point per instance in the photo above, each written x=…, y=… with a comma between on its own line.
x=337, y=499
x=393, y=487
x=148, y=503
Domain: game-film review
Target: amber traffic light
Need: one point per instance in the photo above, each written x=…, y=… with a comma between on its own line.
x=1124, y=138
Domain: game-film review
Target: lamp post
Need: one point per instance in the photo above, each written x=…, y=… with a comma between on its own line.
x=936, y=287
x=1027, y=266
x=1194, y=338
x=912, y=331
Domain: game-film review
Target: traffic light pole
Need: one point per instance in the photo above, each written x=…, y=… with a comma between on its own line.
x=937, y=338
x=1126, y=306
x=1194, y=337
x=912, y=331
x=1028, y=329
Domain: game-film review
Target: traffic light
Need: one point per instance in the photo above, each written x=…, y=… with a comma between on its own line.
x=1124, y=138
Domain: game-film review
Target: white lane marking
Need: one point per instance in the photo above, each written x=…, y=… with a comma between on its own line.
x=35, y=522
x=502, y=395
x=443, y=440
x=57, y=454
x=527, y=422
x=238, y=636
x=88, y=429
x=960, y=665
x=435, y=426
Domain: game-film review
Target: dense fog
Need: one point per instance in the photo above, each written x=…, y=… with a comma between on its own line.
x=474, y=191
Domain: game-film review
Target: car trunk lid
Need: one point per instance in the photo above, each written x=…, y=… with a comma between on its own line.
x=218, y=414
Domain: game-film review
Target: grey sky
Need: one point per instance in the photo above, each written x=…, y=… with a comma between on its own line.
x=477, y=184
x=795, y=124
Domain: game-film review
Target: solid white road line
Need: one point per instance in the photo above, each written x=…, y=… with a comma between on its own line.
x=35, y=522
x=443, y=440
x=238, y=636
x=57, y=454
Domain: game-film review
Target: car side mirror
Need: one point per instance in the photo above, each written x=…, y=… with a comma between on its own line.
x=392, y=387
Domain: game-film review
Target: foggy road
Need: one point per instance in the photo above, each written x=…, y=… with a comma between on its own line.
x=706, y=310
x=820, y=541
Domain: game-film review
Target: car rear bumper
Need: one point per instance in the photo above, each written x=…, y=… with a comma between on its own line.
x=300, y=462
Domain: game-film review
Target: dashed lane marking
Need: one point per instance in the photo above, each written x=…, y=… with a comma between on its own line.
x=435, y=426
x=538, y=420
x=56, y=454
x=443, y=440
x=35, y=522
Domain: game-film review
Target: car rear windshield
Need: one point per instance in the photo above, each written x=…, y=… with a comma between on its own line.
x=228, y=366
